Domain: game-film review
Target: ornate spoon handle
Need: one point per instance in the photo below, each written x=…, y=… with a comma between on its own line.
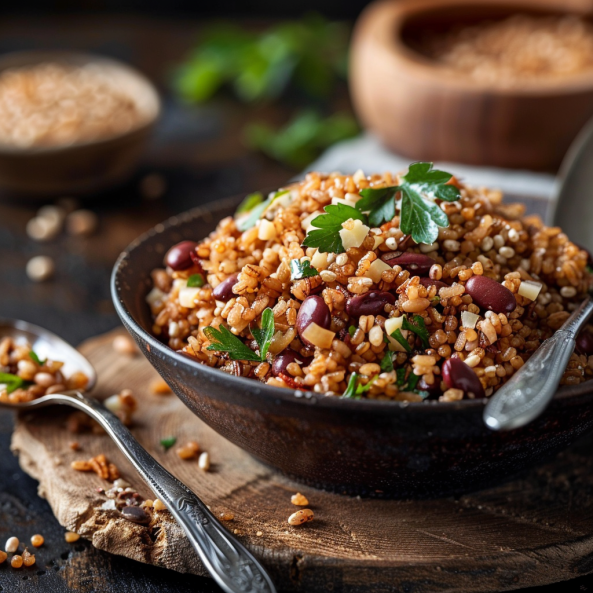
x=526, y=395
x=231, y=565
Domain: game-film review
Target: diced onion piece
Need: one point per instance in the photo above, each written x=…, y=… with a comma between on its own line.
x=394, y=345
x=155, y=296
x=469, y=319
x=378, y=241
x=376, y=269
x=318, y=336
x=266, y=230
x=344, y=201
x=319, y=260
x=392, y=324
x=306, y=222
x=358, y=176
x=529, y=289
x=356, y=236
x=187, y=296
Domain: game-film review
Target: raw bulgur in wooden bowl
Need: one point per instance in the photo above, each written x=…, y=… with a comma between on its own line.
x=362, y=364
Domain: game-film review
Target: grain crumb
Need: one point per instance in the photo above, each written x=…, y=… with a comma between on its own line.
x=160, y=387
x=259, y=533
x=125, y=345
x=159, y=505
x=298, y=499
x=71, y=537
x=226, y=516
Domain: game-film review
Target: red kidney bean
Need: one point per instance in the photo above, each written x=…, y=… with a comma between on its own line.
x=284, y=359
x=490, y=294
x=428, y=282
x=434, y=390
x=585, y=342
x=417, y=263
x=458, y=375
x=313, y=310
x=370, y=303
x=179, y=256
x=224, y=291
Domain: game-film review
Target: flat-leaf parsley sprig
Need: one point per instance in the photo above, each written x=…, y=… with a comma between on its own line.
x=223, y=340
x=420, y=216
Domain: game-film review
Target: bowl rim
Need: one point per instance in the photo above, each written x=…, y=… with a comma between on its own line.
x=24, y=58
x=268, y=391
x=396, y=14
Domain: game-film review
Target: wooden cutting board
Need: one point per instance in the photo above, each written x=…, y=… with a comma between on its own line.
x=533, y=531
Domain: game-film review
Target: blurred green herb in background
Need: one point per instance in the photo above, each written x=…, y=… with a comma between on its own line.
x=305, y=60
x=303, y=138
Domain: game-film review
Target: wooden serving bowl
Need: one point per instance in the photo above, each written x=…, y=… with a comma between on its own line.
x=357, y=447
x=427, y=112
x=82, y=167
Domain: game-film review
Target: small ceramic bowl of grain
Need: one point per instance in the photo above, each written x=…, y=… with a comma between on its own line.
x=71, y=123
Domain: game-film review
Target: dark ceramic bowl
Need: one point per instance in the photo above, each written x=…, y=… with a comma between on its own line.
x=361, y=447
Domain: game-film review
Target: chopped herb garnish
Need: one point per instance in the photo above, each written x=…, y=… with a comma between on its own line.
x=354, y=390
x=379, y=203
x=250, y=202
x=397, y=335
x=412, y=382
x=386, y=363
x=224, y=341
x=401, y=377
x=35, y=358
x=589, y=269
x=168, y=442
x=352, y=330
x=326, y=236
x=195, y=281
x=301, y=269
x=11, y=381
x=257, y=212
x=418, y=327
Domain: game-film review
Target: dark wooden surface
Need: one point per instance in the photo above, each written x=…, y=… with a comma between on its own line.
x=199, y=153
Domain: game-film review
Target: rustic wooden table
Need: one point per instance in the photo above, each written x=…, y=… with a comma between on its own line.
x=199, y=155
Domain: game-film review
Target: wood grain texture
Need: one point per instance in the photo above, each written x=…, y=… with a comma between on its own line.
x=533, y=531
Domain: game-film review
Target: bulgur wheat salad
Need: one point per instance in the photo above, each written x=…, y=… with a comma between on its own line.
x=399, y=287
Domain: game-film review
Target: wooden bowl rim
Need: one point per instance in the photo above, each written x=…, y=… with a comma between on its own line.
x=167, y=354
x=388, y=17
x=17, y=59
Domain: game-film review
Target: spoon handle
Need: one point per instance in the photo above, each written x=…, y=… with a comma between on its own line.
x=231, y=565
x=526, y=395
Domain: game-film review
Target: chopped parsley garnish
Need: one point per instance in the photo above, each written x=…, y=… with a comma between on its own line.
x=168, y=442
x=386, y=363
x=412, y=381
x=397, y=335
x=195, y=281
x=401, y=377
x=224, y=341
x=301, y=269
x=257, y=211
x=352, y=330
x=326, y=235
x=379, y=203
x=250, y=202
x=354, y=390
x=418, y=327
x=35, y=358
x=11, y=381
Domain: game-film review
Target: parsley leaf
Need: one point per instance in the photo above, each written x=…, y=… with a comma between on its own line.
x=412, y=381
x=420, y=216
x=301, y=269
x=257, y=212
x=354, y=390
x=352, y=330
x=328, y=226
x=195, y=281
x=250, y=202
x=397, y=335
x=401, y=377
x=11, y=381
x=418, y=327
x=35, y=358
x=386, y=363
x=168, y=442
x=379, y=203
x=263, y=336
x=224, y=341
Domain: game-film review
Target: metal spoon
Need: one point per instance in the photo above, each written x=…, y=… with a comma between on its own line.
x=231, y=565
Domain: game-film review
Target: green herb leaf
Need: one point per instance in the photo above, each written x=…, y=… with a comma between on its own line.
x=589, y=269
x=412, y=381
x=401, y=376
x=35, y=358
x=420, y=216
x=257, y=212
x=11, y=381
x=352, y=330
x=386, y=363
x=350, y=392
x=250, y=202
x=195, y=281
x=224, y=341
x=326, y=237
x=397, y=335
x=168, y=442
x=418, y=327
x=379, y=203
x=264, y=336
x=301, y=269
